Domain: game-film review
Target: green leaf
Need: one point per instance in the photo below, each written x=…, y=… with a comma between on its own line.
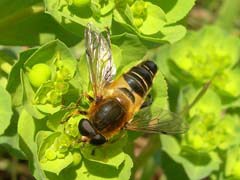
x=154, y=21
x=198, y=172
x=173, y=33
x=10, y=139
x=196, y=168
x=14, y=86
x=123, y=19
x=162, y=59
x=111, y=158
x=5, y=110
x=57, y=165
x=7, y=59
x=82, y=75
x=96, y=171
x=179, y=10
x=125, y=172
x=117, y=55
x=89, y=170
x=108, y=7
x=27, y=143
x=170, y=145
x=110, y=154
x=159, y=92
x=19, y=16
x=169, y=166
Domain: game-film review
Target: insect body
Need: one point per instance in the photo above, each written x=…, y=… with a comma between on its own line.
x=117, y=102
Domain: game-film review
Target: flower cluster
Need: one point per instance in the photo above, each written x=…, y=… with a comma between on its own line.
x=209, y=54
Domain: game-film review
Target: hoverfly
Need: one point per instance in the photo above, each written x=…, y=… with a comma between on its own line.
x=117, y=103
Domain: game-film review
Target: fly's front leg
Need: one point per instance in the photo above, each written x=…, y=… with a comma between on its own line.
x=81, y=99
x=89, y=98
x=74, y=113
x=76, y=109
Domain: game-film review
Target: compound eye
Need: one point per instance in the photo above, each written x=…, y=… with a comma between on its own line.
x=86, y=128
x=97, y=140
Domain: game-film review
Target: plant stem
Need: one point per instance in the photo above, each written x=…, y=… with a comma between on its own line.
x=196, y=99
x=14, y=169
x=148, y=150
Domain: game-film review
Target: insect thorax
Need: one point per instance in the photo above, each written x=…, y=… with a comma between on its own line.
x=108, y=116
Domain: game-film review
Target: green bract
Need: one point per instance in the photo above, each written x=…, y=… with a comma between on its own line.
x=150, y=20
x=5, y=110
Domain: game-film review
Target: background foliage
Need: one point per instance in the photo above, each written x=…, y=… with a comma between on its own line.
x=195, y=50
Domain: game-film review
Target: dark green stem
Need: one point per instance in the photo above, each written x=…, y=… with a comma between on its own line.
x=152, y=146
x=14, y=169
x=197, y=98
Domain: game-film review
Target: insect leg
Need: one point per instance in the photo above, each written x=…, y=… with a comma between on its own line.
x=74, y=113
x=90, y=98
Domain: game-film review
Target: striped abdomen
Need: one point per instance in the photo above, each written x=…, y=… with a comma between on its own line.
x=140, y=77
x=122, y=98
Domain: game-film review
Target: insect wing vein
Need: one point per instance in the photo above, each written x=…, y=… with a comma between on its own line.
x=160, y=121
x=99, y=57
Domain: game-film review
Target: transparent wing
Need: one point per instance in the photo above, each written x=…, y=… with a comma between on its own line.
x=157, y=121
x=99, y=57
